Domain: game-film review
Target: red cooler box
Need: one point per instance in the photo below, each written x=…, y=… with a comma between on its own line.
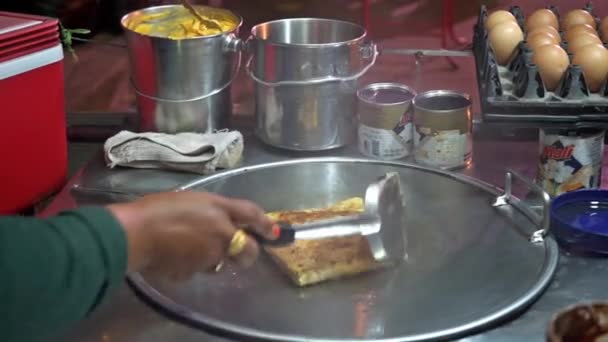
x=32, y=118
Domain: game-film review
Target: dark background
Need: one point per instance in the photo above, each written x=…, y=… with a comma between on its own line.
x=104, y=15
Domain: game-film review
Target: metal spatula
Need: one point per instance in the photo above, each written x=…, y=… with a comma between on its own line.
x=382, y=223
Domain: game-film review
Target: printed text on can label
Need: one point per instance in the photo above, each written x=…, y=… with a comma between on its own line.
x=442, y=148
x=385, y=144
x=569, y=163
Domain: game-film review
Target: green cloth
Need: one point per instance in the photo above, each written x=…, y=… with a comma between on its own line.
x=54, y=271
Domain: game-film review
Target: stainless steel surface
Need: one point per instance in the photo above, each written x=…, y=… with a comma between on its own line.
x=305, y=89
x=507, y=196
x=457, y=241
x=183, y=85
x=427, y=52
x=123, y=317
x=78, y=188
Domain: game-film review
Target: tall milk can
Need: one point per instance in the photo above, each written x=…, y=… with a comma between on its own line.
x=182, y=85
x=305, y=72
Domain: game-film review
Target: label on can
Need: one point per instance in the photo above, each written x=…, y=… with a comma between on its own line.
x=569, y=163
x=385, y=144
x=445, y=148
x=385, y=120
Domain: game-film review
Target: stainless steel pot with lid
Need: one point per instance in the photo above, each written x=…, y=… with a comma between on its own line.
x=476, y=257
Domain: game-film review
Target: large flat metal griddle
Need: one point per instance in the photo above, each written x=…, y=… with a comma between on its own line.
x=470, y=265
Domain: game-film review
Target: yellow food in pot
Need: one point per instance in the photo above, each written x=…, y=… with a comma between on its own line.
x=177, y=23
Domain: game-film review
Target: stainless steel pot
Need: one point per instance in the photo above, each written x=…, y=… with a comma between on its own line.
x=305, y=72
x=183, y=85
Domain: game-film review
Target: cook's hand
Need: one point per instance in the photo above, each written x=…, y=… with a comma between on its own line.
x=179, y=233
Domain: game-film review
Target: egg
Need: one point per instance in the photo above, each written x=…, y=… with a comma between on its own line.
x=552, y=62
x=540, y=38
x=604, y=29
x=593, y=59
x=504, y=39
x=582, y=40
x=577, y=17
x=498, y=17
x=575, y=30
x=541, y=18
x=545, y=31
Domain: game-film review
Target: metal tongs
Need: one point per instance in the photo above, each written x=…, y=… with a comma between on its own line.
x=382, y=223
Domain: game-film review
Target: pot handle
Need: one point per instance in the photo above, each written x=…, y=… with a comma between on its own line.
x=506, y=198
x=231, y=44
x=368, y=51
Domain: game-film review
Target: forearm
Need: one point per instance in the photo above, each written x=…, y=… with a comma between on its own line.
x=55, y=271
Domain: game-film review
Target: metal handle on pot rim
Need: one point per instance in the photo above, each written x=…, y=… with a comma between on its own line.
x=506, y=198
x=364, y=49
x=233, y=44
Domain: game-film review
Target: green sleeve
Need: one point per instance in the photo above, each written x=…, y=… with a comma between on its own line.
x=54, y=271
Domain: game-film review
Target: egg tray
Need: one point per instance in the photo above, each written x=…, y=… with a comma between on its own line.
x=515, y=93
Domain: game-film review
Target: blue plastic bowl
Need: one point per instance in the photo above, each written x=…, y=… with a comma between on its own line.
x=579, y=221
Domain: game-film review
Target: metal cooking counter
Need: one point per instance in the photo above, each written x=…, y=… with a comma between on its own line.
x=124, y=317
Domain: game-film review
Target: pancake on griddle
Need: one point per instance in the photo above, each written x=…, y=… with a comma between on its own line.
x=308, y=262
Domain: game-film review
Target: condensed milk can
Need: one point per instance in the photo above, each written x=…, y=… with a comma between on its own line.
x=385, y=124
x=443, y=135
x=570, y=160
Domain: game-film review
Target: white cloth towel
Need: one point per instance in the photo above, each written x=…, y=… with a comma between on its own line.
x=190, y=152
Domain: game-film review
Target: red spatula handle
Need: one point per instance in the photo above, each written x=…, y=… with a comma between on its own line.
x=284, y=235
